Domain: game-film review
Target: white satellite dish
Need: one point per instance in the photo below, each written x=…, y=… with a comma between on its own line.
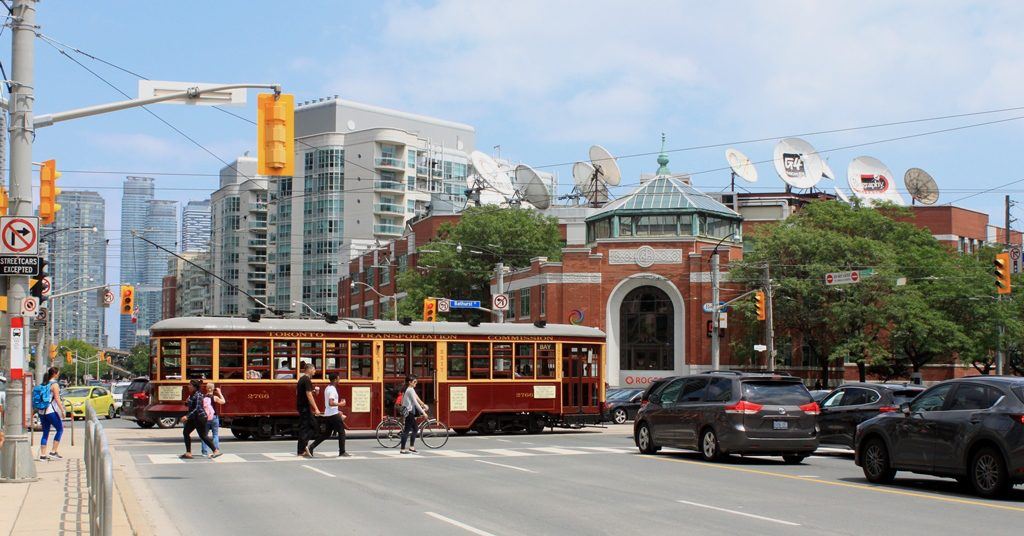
x=532, y=188
x=490, y=171
x=840, y=194
x=921, y=186
x=826, y=171
x=581, y=174
x=797, y=163
x=741, y=166
x=872, y=180
x=606, y=166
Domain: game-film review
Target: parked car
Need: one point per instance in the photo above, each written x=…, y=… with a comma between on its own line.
x=728, y=412
x=819, y=394
x=118, y=390
x=970, y=429
x=621, y=405
x=853, y=403
x=135, y=400
x=77, y=397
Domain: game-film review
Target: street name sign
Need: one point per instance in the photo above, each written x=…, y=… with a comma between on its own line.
x=464, y=304
x=19, y=265
x=846, y=278
x=721, y=307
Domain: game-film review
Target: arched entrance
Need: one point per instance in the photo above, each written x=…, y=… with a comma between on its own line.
x=644, y=321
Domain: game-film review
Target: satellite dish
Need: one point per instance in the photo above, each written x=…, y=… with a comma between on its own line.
x=797, y=163
x=827, y=172
x=532, y=188
x=605, y=165
x=741, y=166
x=840, y=194
x=872, y=180
x=921, y=186
x=581, y=174
x=493, y=176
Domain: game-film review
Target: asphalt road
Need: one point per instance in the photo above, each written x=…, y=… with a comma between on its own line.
x=591, y=482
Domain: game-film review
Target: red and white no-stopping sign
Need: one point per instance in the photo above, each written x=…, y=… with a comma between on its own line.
x=19, y=235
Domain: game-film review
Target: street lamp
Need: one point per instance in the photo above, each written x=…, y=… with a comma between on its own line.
x=715, y=359
x=307, y=306
x=394, y=299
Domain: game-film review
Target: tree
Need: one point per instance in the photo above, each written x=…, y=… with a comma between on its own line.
x=138, y=360
x=84, y=354
x=487, y=235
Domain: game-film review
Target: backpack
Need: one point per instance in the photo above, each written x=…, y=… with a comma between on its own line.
x=41, y=397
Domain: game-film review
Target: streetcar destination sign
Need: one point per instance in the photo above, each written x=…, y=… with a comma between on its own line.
x=19, y=265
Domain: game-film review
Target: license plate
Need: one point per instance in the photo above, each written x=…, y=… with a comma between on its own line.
x=780, y=425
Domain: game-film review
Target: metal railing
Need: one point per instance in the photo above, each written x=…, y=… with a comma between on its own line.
x=99, y=468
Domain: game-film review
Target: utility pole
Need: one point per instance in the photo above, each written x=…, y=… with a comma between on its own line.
x=1000, y=354
x=17, y=463
x=769, y=327
x=500, y=269
x=715, y=360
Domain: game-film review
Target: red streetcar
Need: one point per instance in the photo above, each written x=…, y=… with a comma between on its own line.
x=484, y=377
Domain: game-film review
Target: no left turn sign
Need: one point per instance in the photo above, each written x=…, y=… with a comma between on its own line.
x=499, y=301
x=19, y=235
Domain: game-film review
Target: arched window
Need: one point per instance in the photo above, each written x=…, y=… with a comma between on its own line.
x=645, y=325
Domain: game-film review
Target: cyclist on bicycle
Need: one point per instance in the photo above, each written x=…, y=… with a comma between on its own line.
x=411, y=408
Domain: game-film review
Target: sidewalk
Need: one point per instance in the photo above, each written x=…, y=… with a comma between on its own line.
x=58, y=503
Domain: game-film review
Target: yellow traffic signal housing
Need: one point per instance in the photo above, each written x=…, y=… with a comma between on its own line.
x=53, y=352
x=48, y=192
x=1001, y=269
x=760, y=304
x=127, y=299
x=5, y=201
x=430, y=310
x=275, y=134
x=67, y=357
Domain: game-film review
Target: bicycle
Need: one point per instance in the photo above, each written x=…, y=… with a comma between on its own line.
x=432, y=432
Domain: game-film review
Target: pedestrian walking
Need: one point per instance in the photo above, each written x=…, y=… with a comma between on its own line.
x=213, y=400
x=333, y=418
x=50, y=408
x=308, y=410
x=411, y=408
x=195, y=420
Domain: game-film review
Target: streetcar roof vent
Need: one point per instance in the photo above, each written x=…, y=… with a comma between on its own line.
x=362, y=323
x=540, y=323
x=406, y=320
x=331, y=319
x=474, y=322
x=254, y=317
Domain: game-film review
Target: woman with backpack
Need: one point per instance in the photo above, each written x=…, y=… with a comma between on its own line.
x=410, y=408
x=47, y=403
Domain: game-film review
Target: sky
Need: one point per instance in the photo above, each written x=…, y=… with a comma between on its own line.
x=545, y=80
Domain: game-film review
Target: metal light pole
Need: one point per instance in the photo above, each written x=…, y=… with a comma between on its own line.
x=715, y=351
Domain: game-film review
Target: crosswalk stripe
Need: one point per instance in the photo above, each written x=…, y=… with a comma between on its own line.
x=557, y=450
x=455, y=454
x=161, y=459
x=613, y=450
x=507, y=452
x=229, y=458
x=283, y=456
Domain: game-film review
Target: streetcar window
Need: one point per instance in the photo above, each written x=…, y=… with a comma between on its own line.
x=479, y=360
x=524, y=360
x=312, y=351
x=284, y=359
x=153, y=349
x=546, y=360
x=337, y=358
x=170, y=359
x=396, y=359
x=424, y=359
x=457, y=361
x=231, y=353
x=502, y=360
x=200, y=359
x=257, y=359
x=362, y=360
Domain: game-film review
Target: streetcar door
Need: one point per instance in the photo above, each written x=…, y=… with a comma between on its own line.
x=396, y=367
x=581, y=376
x=423, y=365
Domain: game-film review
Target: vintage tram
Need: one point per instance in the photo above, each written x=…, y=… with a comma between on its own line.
x=483, y=377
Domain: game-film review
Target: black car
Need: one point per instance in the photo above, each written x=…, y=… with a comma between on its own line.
x=853, y=403
x=727, y=412
x=621, y=405
x=970, y=429
x=134, y=402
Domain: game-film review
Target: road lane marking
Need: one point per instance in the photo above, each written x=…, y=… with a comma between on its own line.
x=507, y=466
x=160, y=459
x=726, y=510
x=505, y=440
x=507, y=452
x=395, y=454
x=311, y=468
x=459, y=524
x=557, y=450
x=878, y=489
x=455, y=454
x=613, y=450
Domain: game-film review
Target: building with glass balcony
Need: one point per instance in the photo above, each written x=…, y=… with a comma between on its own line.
x=78, y=260
x=195, y=226
x=238, y=239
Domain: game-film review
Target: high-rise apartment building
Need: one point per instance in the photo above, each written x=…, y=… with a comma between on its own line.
x=78, y=257
x=361, y=173
x=142, y=264
x=186, y=289
x=195, y=226
x=238, y=246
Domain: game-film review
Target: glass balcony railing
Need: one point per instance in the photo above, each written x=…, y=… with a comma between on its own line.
x=388, y=186
x=422, y=170
x=389, y=162
x=387, y=229
x=257, y=259
x=256, y=276
x=258, y=243
x=257, y=207
x=388, y=208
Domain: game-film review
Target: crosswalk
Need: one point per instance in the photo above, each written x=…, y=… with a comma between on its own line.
x=384, y=454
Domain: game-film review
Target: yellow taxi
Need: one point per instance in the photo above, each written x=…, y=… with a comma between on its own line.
x=100, y=398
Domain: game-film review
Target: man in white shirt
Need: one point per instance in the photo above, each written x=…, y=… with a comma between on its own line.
x=333, y=417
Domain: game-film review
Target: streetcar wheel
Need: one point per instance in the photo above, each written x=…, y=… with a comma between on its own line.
x=145, y=424
x=389, y=433
x=619, y=416
x=709, y=448
x=877, y=467
x=241, y=434
x=462, y=431
x=264, y=429
x=536, y=425
x=645, y=440
x=167, y=422
x=433, y=434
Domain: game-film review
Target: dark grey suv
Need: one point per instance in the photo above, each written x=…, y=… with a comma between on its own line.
x=722, y=413
x=971, y=429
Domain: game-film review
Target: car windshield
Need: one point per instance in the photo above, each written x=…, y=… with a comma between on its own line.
x=80, y=392
x=621, y=394
x=120, y=389
x=902, y=397
x=770, y=392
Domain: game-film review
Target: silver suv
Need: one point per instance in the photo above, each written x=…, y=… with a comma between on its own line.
x=726, y=412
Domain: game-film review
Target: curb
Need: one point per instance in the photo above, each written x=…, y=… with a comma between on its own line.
x=145, y=516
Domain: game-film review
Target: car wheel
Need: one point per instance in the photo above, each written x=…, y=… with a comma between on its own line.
x=988, y=473
x=619, y=416
x=793, y=459
x=710, y=450
x=110, y=412
x=645, y=440
x=876, y=463
x=167, y=422
x=145, y=424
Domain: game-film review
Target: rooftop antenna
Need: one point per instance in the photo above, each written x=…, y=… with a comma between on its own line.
x=593, y=179
x=532, y=188
x=488, y=178
x=921, y=186
x=872, y=180
x=741, y=167
x=797, y=163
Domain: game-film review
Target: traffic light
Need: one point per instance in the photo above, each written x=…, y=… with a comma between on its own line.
x=53, y=352
x=430, y=310
x=127, y=299
x=1001, y=269
x=48, y=192
x=760, y=304
x=5, y=201
x=39, y=285
x=275, y=134
x=67, y=357
x=106, y=358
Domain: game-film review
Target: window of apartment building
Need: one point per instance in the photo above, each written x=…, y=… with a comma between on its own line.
x=385, y=310
x=371, y=276
x=543, y=305
x=308, y=160
x=524, y=303
x=369, y=311
x=410, y=158
x=410, y=206
x=232, y=204
x=385, y=275
x=403, y=262
x=355, y=279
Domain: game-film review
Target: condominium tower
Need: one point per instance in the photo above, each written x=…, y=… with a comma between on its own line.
x=195, y=226
x=238, y=246
x=78, y=253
